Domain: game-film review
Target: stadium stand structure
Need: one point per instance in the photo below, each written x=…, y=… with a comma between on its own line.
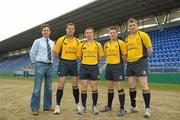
x=166, y=56
x=15, y=63
x=20, y=66
x=156, y=14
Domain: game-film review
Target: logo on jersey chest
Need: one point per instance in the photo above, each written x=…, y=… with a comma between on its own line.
x=65, y=43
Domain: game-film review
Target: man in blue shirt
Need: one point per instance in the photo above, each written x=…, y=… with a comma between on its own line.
x=41, y=56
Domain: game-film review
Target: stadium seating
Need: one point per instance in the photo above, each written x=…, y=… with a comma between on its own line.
x=15, y=63
x=166, y=56
x=166, y=49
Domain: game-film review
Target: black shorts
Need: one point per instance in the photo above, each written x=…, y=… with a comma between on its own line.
x=88, y=72
x=67, y=67
x=138, y=68
x=115, y=72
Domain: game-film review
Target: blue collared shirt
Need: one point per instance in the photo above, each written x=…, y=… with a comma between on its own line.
x=38, y=50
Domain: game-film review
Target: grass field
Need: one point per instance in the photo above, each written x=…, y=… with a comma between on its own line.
x=15, y=95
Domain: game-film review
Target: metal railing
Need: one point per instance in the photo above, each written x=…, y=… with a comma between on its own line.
x=170, y=67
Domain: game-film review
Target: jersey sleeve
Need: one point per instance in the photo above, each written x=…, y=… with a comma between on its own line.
x=58, y=45
x=79, y=51
x=105, y=45
x=146, y=39
x=101, y=54
x=123, y=48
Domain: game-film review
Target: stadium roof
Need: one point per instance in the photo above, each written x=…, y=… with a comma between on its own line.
x=100, y=13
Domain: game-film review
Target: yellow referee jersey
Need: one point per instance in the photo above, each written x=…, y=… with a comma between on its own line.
x=67, y=50
x=135, y=45
x=113, y=51
x=89, y=53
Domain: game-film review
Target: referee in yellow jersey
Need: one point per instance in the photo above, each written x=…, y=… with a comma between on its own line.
x=90, y=52
x=139, y=47
x=115, y=53
x=66, y=50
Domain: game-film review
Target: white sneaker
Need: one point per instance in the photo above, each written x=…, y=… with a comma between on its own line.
x=105, y=109
x=121, y=112
x=94, y=110
x=78, y=107
x=57, y=109
x=82, y=110
x=133, y=109
x=147, y=113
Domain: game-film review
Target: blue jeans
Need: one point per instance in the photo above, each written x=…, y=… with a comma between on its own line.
x=42, y=70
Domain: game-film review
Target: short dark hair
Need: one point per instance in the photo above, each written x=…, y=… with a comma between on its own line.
x=70, y=24
x=89, y=28
x=131, y=20
x=45, y=25
x=113, y=28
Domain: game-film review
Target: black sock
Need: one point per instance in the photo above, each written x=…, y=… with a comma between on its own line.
x=76, y=94
x=146, y=96
x=83, y=98
x=59, y=94
x=121, y=98
x=132, y=92
x=94, y=97
x=110, y=97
